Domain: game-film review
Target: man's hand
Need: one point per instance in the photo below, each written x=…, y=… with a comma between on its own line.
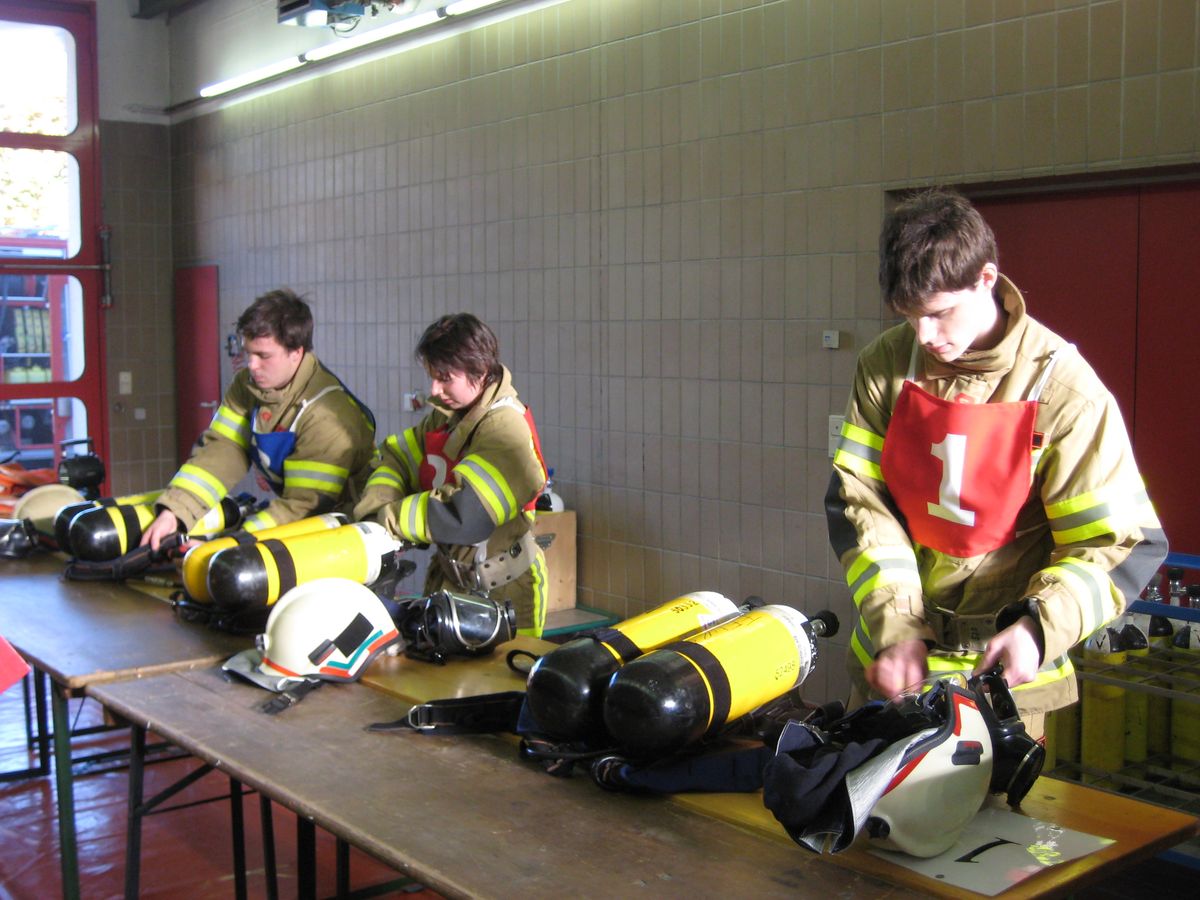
x=1018, y=648
x=165, y=525
x=898, y=667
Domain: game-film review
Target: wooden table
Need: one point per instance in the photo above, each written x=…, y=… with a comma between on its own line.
x=1138, y=830
x=81, y=634
x=465, y=816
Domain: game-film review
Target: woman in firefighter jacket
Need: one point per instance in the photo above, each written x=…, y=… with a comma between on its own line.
x=985, y=502
x=287, y=415
x=467, y=476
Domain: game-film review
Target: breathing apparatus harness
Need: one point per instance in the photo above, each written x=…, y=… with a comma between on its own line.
x=138, y=562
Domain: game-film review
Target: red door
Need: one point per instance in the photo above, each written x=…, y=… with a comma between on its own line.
x=52, y=380
x=1110, y=270
x=1074, y=257
x=1167, y=432
x=197, y=353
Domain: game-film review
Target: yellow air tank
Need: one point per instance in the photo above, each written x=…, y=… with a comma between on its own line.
x=62, y=520
x=1102, y=711
x=565, y=691
x=195, y=562
x=676, y=695
x=1185, y=710
x=256, y=575
x=104, y=533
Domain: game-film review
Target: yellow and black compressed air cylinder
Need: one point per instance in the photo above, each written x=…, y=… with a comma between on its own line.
x=255, y=575
x=1137, y=706
x=104, y=533
x=1102, y=711
x=63, y=518
x=565, y=691
x=1185, y=706
x=676, y=695
x=195, y=562
x=1158, y=707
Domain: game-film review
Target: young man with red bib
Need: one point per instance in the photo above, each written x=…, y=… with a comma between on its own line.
x=466, y=477
x=985, y=502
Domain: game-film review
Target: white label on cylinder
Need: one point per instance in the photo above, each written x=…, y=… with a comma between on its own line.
x=718, y=606
x=795, y=621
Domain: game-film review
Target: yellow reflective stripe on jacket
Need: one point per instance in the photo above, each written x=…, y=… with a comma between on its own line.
x=1095, y=513
x=1050, y=671
x=491, y=487
x=878, y=567
x=258, y=522
x=540, y=590
x=232, y=425
x=386, y=476
x=410, y=453
x=861, y=644
x=199, y=483
x=413, y=520
x=315, y=476
x=859, y=451
x=1093, y=582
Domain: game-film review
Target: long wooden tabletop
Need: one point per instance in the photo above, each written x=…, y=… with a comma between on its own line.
x=1138, y=830
x=83, y=633
x=462, y=814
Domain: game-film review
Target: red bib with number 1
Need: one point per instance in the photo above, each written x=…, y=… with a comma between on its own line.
x=960, y=472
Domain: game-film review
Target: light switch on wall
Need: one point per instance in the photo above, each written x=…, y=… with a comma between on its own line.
x=835, y=433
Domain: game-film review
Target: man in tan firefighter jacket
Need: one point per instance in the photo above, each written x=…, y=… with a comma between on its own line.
x=985, y=502
x=287, y=415
x=467, y=476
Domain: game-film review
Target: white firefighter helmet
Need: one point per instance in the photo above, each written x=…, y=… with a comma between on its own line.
x=933, y=782
x=327, y=629
x=42, y=504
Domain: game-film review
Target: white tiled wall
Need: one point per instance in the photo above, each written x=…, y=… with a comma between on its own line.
x=660, y=206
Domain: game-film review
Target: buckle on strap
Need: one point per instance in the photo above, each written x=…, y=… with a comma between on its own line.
x=958, y=632
x=421, y=718
x=464, y=575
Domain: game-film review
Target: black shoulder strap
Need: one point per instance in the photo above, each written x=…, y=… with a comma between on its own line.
x=482, y=714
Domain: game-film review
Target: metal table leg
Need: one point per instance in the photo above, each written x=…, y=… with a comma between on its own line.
x=133, y=828
x=238, y=828
x=306, y=859
x=267, y=818
x=343, y=869
x=68, y=850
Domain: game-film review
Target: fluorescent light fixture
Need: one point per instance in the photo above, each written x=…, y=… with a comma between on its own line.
x=261, y=74
x=408, y=23
x=467, y=6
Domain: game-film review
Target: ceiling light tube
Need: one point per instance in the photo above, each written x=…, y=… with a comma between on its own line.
x=467, y=6
x=262, y=74
x=409, y=23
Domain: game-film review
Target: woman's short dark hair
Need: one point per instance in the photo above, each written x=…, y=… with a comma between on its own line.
x=462, y=342
x=278, y=314
x=933, y=241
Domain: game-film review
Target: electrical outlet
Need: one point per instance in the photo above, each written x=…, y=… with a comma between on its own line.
x=125, y=383
x=835, y=433
x=831, y=339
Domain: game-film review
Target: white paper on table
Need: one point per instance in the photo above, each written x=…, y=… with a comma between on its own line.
x=998, y=849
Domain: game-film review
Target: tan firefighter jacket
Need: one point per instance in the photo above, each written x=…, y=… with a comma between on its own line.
x=1087, y=538
x=325, y=470
x=467, y=483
